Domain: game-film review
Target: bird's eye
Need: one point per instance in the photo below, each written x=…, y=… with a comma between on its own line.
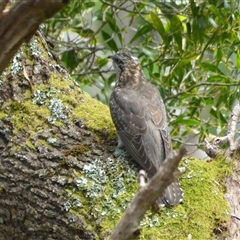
x=118, y=61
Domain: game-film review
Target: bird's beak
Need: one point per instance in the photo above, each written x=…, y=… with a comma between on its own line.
x=111, y=57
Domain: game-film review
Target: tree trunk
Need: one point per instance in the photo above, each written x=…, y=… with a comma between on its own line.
x=42, y=143
x=233, y=197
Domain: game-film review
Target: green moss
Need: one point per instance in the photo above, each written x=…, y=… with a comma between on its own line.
x=96, y=114
x=204, y=207
x=61, y=84
x=30, y=145
x=78, y=150
x=19, y=115
x=41, y=111
x=41, y=142
x=2, y=115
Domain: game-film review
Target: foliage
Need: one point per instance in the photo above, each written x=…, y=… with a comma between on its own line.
x=189, y=50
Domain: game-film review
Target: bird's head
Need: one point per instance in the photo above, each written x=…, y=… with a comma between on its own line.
x=126, y=66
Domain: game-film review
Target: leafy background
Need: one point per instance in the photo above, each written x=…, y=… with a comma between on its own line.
x=188, y=49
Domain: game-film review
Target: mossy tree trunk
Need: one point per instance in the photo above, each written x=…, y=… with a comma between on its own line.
x=42, y=144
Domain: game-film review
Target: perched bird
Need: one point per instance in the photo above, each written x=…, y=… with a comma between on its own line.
x=139, y=116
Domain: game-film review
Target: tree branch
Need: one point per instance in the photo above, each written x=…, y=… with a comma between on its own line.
x=146, y=197
x=21, y=22
x=232, y=127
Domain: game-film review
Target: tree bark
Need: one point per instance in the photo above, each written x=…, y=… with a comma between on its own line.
x=18, y=24
x=39, y=148
x=233, y=197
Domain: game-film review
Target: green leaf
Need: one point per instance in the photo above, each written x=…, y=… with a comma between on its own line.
x=194, y=8
x=218, y=78
x=214, y=10
x=108, y=39
x=199, y=25
x=101, y=62
x=114, y=27
x=209, y=67
x=238, y=59
x=212, y=21
x=140, y=33
x=187, y=122
x=219, y=55
x=176, y=28
x=213, y=111
x=222, y=118
x=158, y=25
x=70, y=59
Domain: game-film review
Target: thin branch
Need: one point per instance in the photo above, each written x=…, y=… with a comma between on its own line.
x=118, y=7
x=127, y=228
x=235, y=216
x=232, y=126
x=92, y=71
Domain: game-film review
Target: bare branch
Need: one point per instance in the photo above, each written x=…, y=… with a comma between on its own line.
x=234, y=216
x=232, y=126
x=21, y=22
x=126, y=9
x=211, y=150
x=234, y=144
x=146, y=197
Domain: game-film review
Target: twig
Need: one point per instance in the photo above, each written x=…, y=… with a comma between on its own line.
x=234, y=216
x=127, y=228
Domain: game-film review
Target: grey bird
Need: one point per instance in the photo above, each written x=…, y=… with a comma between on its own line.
x=139, y=116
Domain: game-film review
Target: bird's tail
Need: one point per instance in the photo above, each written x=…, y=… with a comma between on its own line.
x=173, y=195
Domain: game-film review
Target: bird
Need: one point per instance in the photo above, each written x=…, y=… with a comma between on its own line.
x=139, y=116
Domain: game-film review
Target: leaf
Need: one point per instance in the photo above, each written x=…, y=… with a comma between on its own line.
x=212, y=21
x=199, y=25
x=188, y=25
x=114, y=27
x=213, y=111
x=70, y=59
x=214, y=10
x=176, y=28
x=187, y=122
x=219, y=55
x=101, y=62
x=140, y=33
x=218, y=78
x=210, y=67
x=222, y=118
x=194, y=8
x=108, y=39
x=158, y=25
x=238, y=59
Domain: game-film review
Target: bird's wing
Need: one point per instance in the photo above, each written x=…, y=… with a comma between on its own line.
x=140, y=121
